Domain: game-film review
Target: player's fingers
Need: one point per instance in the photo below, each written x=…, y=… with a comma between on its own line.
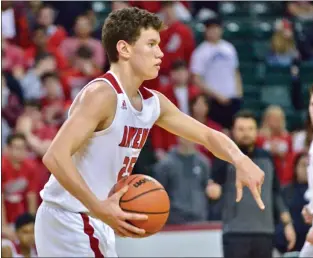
x=256, y=194
x=119, y=232
x=132, y=229
x=121, y=192
x=239, y=191
x=135, y=216
x=126, y=233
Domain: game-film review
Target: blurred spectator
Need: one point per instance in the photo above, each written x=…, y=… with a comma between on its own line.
x=275, y=138
x=284, y=50
x=82, y=71
x=247, y=230
x=184, y=173
x=56, y=34
x=12, y=99
x=301, y=9
x=179, y=91
x=177, y=41
x=53, y=102
x=294, y=196
x=117, y=5
x=214, y=65
x=199, y=109
x=18, y=183
x=31, y=83
x=12, y=58
x=38, y=135
x=301, y=140
x=40, y=39
x=24, y=245
x=83, y=30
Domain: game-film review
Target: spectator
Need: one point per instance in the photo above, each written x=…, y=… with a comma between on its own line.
x=179, y=91
x=199, y=109
x=177, y=41
x=53, y=102
x=38, y=136
x=117, y=5
x=18, y=183
x=83, y=30
x=295, y=199
x=214, y=66
x=300, y=9
x=56, y=34
x=284, y=50
x=184, y=173
x=247, y=230
x=82, y=71
x=12, y=99
x=275, y=138
x=24, y=245
x=301, y=140
x=12, y=58
x=31, y=83
x=41, y=46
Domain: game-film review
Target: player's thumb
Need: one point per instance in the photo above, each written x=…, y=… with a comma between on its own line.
x=239, y=191
x=118, y=195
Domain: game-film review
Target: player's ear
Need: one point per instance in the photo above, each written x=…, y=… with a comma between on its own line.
x=123, y=48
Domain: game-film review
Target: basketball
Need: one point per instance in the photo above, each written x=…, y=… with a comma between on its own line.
x=147, y=196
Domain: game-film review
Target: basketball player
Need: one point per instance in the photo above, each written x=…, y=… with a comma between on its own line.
x=307, y=212
x=100, y=142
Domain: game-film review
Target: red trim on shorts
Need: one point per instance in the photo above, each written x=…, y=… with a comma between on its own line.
x=89, y=230
x=113, y=81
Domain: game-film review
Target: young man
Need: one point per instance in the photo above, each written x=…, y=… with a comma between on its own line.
x=101, y=140
x=307, y=212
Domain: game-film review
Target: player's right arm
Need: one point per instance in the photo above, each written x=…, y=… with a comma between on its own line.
x=95, y=106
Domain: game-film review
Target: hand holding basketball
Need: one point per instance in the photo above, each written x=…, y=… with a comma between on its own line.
x=250, y=175
x=111, y=214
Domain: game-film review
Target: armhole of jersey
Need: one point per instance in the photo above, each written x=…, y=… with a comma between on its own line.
x=157, y=103
x=109, y=128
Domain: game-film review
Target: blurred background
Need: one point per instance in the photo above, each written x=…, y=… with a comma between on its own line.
x=220, y=58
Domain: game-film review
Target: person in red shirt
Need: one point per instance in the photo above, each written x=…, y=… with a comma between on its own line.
x=24, y=244
x=38, y=137
x=40, y=40
x=56, y=34
x=178, y=91
x=199, y=109
x=18, y=183
x=53, y=102
x=274, y=137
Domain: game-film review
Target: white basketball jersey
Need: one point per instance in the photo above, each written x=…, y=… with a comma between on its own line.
x=112, y=153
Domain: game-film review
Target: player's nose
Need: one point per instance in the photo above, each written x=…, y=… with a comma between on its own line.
x=159, y=53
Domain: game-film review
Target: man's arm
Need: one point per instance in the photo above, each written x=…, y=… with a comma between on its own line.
x=239, y=84
x=32, y=202
x=95, y=106
x=178, y=123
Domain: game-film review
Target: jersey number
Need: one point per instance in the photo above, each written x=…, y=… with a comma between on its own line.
x=127, y=168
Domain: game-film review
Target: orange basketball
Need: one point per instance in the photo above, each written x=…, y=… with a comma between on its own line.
x=147, y=196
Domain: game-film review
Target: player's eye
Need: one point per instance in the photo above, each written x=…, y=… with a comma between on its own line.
x=151, y=44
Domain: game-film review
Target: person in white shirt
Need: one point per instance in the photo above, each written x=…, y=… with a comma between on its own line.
x=307, y=212
x=214, y=65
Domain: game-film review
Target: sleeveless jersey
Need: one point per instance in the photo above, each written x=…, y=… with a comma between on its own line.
x=112, y=153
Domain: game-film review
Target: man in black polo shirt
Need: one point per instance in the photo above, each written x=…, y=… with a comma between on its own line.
x=248, y=231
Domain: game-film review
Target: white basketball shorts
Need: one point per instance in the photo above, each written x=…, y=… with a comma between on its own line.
x=60, y=233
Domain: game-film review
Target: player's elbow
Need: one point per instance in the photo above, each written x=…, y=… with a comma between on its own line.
x=50, y=158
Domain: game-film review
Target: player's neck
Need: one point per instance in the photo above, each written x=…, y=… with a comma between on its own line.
x=130, y=82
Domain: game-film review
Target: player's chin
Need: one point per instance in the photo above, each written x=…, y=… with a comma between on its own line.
x=152, y=75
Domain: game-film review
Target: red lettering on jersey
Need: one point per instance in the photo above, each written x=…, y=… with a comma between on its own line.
x=144, y=137
x=137, y=138
x=131, y=134
x=123, y=142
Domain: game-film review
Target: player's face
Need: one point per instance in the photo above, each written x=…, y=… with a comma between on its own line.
x=17, y=150
x=311, y=108
x=26, y=235
x=146, y=55
x=245, y=131
x=301, y=169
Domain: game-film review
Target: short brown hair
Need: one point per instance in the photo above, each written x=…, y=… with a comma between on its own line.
x=126, y=24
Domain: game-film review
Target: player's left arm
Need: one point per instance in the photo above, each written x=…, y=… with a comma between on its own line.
x=178, y=123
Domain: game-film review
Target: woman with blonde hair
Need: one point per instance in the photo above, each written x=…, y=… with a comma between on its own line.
x=275, y=138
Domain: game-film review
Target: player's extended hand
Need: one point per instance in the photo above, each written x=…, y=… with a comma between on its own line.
x=250, y=175
x=111, y=214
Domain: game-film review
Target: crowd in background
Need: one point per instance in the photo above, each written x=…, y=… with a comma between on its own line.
x=50, y=50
